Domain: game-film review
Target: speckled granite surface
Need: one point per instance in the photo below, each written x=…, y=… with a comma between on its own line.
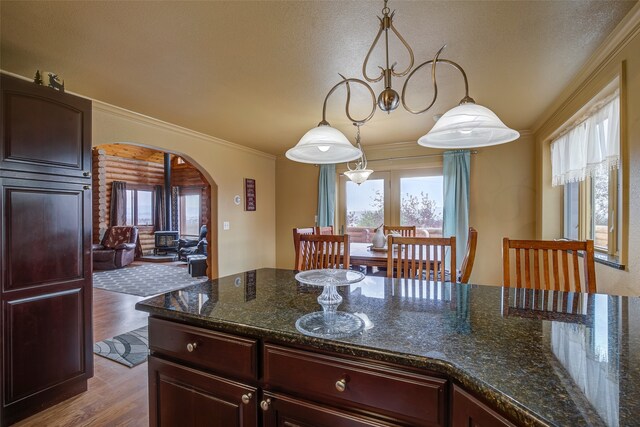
x=540, y=366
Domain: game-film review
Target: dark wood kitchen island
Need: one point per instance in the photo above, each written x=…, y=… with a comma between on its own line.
x=226, y=352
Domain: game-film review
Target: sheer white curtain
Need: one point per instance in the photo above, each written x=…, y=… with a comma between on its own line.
x=592, y=144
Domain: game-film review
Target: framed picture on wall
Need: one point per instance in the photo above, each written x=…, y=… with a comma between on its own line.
x=249, y=194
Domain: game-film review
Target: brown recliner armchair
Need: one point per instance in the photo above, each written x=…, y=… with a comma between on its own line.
x=117, y=249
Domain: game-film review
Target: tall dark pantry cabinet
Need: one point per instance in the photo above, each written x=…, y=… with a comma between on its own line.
x=45, y=247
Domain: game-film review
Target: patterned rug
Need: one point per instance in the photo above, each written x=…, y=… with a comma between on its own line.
x=145, y=280
x=129, y=349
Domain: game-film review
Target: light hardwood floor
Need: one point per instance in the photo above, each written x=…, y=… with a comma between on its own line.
x=117, y=395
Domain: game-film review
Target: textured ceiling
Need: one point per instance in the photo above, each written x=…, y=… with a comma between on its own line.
x=256, y=73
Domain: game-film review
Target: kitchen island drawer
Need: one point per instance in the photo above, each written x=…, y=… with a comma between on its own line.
x=371, y=388
x=219, y=352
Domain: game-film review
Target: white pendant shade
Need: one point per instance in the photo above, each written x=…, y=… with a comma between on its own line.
x=323, y=145
x=468, y=126
x=358, y=175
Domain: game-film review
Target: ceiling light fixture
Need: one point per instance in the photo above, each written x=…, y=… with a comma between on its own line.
x=360, y=173
x=469, y=125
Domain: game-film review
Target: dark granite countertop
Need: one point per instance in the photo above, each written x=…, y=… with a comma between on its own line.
x=574, y=367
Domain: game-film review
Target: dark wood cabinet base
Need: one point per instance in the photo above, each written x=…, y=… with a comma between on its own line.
x=259, y=382
x=23, y=409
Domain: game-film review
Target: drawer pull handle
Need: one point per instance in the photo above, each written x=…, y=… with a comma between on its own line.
x=265, y=404
x=246, y=398
x=86, y=187
x=341, y=385
x=87, y=174
x=191, y=347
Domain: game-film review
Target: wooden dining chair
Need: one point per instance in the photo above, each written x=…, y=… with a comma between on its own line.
x=296, y=239
x=420, y=257
x=538, y=274
x=323, y=251
x=403, y=230
x=469, y=256
x=324, y=230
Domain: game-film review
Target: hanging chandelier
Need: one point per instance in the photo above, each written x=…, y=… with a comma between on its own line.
x=360, y=173
x=468, y=125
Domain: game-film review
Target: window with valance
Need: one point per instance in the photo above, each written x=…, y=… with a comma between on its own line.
x=585, y=159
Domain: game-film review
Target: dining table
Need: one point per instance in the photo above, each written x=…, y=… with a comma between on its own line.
x=363, y=254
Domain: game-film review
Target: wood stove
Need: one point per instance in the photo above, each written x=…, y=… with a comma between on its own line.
x=165, y=242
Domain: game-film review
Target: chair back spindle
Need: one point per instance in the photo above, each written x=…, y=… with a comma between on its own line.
x=549, y=264
x=323, y=251
x=403, y=230
x=420, y=257
x=296, y=240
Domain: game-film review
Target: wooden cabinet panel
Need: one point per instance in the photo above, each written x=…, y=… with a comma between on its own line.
x=228, y=354
x=284, y=411
x=467, y=411
x=181, y=396
x=47, y=233
x=46, y=333
x=46, y=340
x=44, y=131
x=416, y=399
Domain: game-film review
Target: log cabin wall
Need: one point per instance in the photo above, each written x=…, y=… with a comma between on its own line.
x=186, y=175
x=132, y=170
x=144, y=166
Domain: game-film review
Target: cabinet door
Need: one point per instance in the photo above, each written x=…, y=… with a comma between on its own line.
x=44, y=130
x=45, y=293
x=186, y=397
x=467, y=411
x=46, y=235
x=284, y=411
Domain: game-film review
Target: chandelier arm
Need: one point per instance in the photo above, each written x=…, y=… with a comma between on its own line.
x=366, y=59
x=346, y=82
x=406, y=45
x=364, y=157
x=433, y=63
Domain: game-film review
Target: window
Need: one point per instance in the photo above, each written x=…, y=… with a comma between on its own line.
x=421, y=203
x=139, y=206
x=412, y=197
x=585, y=160
x=366, y=206
x=190, y=216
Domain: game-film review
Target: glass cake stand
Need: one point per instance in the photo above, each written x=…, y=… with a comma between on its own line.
x=329, y=323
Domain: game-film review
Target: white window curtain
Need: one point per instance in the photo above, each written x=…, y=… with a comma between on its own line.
x=589, y=146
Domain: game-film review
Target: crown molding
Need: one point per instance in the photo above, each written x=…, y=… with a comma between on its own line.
x=619, y=38
x=146, y=120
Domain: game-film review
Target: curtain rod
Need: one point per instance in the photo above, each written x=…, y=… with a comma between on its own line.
x=413, y=157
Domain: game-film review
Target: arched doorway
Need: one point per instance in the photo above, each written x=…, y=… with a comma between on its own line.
x=143, y=168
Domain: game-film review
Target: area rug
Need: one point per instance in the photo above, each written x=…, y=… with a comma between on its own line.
x=129, y=349
x=145, y=280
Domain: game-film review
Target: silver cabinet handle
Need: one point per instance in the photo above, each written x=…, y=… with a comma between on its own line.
x=341, y=385
x=246, y=398
x=86, y=187
x=191, y=347
x=86, y=173
x=265, y=404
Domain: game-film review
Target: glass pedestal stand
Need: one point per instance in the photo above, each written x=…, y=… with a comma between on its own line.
x=329, y=323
